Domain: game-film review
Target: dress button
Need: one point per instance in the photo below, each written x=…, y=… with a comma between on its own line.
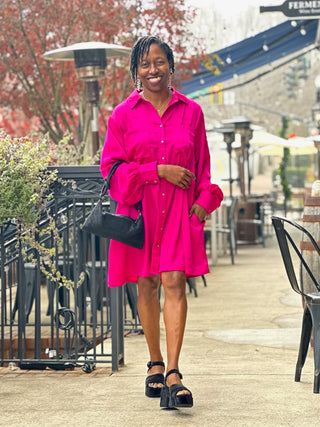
x=163, y=211
x=162, y=141
x=147, y=182
x=163, y=194
x=162, y=158
x=158, y=246
x=155, y=181
x=161, y=126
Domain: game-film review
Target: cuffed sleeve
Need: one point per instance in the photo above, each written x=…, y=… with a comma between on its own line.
x=210, y=200
x=149, y=173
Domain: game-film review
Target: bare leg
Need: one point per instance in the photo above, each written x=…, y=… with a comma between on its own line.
x=149, y=313
x=175, y=315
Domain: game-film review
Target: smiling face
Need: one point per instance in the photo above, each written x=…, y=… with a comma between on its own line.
x=154, y=70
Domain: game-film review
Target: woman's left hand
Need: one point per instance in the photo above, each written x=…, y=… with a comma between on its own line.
x=199, y=211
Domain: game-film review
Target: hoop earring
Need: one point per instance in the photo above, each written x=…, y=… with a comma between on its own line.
x=138, y=84
x=170, y=79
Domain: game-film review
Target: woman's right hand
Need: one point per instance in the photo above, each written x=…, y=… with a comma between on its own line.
x=177, y=175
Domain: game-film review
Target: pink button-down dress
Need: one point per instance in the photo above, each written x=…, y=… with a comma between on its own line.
x=139, y=136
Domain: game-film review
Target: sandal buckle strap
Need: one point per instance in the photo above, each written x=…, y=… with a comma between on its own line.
x=174, y=371
x=157, y=363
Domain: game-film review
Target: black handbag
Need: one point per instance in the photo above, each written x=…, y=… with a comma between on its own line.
x=117, y=227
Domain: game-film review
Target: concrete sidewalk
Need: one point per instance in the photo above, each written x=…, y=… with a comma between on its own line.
x=238, y=358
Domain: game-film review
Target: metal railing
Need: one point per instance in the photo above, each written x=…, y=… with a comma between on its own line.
x=44, y=324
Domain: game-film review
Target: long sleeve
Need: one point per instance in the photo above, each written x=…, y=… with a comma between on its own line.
x=129, y=180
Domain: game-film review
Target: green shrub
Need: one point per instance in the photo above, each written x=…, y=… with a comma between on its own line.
x=24, y=178
x=24, y=192
x=295, y=176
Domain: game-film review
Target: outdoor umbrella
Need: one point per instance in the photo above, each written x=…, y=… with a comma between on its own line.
x=263, y=138
x=297, y=145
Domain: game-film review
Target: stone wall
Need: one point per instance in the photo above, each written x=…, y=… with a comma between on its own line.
x=269, y=92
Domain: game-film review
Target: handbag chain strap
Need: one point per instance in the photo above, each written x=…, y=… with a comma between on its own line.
x=106, y=185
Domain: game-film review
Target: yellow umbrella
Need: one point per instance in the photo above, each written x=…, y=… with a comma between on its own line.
x=263, y=138
x=297, y=145
x=277, y=150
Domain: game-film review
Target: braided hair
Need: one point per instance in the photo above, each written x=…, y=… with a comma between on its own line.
x=141, y=47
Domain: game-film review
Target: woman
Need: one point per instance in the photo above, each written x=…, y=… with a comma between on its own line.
x=160, y=136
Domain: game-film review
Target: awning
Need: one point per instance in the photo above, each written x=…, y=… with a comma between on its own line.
x=265, y=48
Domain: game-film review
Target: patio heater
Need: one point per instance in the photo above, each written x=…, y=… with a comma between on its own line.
x=228, y=138
x=90, y=59
x=242, y=126
x=316, y=120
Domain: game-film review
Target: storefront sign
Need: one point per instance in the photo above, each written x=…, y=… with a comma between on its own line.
x=296, y=9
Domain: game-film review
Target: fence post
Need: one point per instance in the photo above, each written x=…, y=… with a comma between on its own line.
x=116, y=307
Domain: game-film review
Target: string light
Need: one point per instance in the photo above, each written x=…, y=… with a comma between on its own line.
x=303, y=31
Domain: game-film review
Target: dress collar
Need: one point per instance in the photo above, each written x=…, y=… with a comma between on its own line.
x=135, y=97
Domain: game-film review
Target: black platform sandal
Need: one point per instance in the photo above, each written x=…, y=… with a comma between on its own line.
x=154, y=379
x=170, y=397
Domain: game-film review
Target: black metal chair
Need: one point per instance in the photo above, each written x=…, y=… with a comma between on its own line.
x=191, y=282
x=311, y=316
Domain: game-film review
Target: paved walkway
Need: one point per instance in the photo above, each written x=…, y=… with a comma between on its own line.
x=238, y=359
